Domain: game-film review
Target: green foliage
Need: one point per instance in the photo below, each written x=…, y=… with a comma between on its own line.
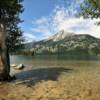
x=91, y=9
x=9, y=17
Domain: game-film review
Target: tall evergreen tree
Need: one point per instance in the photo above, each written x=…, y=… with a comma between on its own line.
x=10, y=33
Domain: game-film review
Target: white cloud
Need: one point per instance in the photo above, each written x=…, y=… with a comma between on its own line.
x=29, y=37
x=81, y=26
x=40, y=21
x=43, y=26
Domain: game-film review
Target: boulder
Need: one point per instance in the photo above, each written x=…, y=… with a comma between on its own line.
x=19, y=67
x=13, y=65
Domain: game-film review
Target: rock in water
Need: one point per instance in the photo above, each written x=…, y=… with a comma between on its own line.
x=13, y=65
x=20, y=66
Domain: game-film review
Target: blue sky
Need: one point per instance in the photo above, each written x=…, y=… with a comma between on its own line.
x=43, y=18
x=35, y=9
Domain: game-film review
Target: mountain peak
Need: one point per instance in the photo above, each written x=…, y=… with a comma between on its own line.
x=60, y=35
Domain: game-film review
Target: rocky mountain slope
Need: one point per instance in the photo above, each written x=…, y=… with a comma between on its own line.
x=69, y=43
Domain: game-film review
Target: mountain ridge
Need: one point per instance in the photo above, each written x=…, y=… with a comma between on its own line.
x=67, y=43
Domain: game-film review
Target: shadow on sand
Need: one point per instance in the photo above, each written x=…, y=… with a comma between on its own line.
x=37, y=75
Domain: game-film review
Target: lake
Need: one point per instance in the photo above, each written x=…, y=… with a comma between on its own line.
x=44, y=65
x=54, y=61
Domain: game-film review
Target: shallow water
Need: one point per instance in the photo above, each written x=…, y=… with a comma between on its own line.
x=51, y=67
x=54, y=61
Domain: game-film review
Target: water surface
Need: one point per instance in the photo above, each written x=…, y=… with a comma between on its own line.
x=55, y=61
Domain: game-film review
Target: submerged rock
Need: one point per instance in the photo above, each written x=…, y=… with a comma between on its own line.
x=18, y=67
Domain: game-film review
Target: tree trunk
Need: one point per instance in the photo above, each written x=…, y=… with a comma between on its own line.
x=4, y=55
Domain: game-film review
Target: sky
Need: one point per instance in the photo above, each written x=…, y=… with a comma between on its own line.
x=43, y=18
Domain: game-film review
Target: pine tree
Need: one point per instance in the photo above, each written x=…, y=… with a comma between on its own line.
x=10, y=33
